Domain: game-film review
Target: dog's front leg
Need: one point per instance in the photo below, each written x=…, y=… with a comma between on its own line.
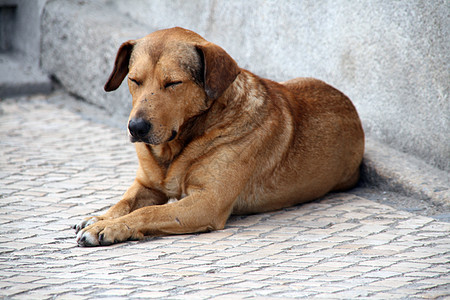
x=198, y=212
x=137, y=196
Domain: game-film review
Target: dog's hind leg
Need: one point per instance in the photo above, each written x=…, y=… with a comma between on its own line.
x=348, y=183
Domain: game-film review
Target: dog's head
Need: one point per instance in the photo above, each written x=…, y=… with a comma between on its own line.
x=173, y=75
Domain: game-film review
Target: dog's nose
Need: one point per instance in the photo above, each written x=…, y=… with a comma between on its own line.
x=139, y=128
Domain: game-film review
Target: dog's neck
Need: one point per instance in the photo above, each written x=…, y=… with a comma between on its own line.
x=165, y=153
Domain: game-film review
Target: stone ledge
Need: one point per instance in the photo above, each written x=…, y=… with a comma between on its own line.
x=387, y=168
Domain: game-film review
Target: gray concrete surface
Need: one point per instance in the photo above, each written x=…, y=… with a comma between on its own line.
x=60, y=161
x=390, y=58
x=20, y=37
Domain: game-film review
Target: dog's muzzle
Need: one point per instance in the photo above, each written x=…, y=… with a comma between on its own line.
x=139, y=129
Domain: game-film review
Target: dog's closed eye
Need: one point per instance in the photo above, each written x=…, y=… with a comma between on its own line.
x=172, y=83
x=135, y=81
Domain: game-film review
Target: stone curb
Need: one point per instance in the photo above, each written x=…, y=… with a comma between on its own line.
x=389, y=169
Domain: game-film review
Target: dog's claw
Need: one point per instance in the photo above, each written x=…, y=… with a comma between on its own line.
x=77, y=228
x=85, y=223
x=102, y=241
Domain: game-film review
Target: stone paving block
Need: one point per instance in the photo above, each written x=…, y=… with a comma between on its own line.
x=15, y=290
x=150, y=295
x=71, y=297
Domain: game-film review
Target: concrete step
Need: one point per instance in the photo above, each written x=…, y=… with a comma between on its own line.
x=20, y=77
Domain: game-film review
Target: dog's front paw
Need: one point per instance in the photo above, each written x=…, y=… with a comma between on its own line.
x=86, y=222
x=104, y=233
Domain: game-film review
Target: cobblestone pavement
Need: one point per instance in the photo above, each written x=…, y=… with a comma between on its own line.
x=57, y=167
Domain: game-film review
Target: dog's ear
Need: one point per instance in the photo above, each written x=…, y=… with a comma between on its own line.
x=120, y=66
x=220, y=69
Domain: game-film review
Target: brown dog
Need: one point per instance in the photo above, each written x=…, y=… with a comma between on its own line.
x=221, y=140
